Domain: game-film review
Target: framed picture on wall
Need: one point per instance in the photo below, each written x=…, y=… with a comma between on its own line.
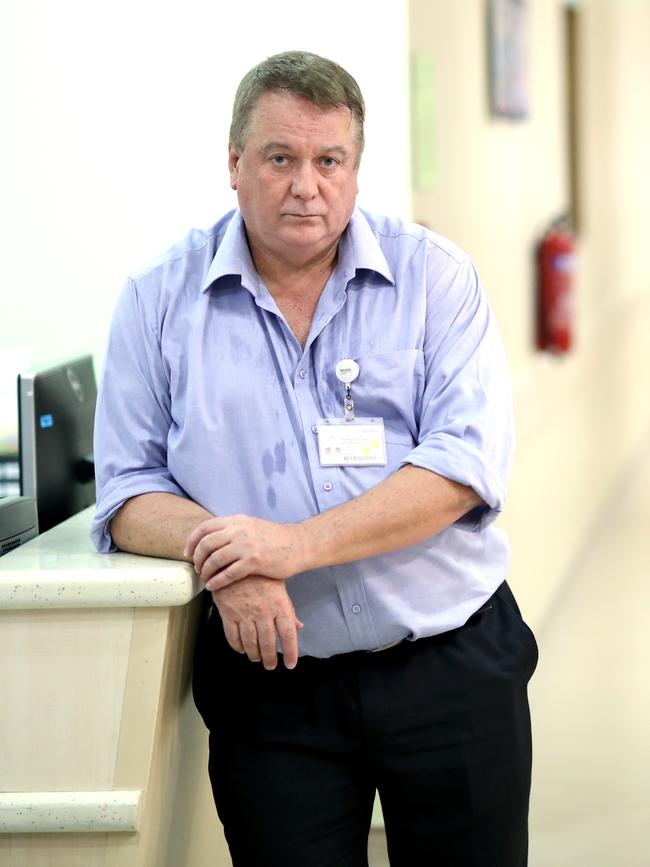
x=508, y=49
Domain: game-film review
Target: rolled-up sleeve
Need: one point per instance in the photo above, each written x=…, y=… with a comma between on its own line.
x=133, y=416
x=466, y=431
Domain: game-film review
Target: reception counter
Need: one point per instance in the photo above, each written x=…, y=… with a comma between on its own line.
x=103, y=757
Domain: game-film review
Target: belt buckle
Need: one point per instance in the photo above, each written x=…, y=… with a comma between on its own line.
x=385, y=646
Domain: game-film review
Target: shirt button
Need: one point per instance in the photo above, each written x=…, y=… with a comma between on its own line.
x=327, y=486
x=302, y=373
x=356, y=609
x=314, y=428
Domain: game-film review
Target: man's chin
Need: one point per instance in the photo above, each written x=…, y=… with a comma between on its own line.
x=305, y=234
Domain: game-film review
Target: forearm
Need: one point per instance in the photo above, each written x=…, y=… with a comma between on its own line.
x=411, y=505
x=156, y=525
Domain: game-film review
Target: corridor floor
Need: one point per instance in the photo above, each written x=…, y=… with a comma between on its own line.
x=591, y=700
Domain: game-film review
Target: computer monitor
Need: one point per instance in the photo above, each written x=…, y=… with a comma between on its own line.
x=56, y=413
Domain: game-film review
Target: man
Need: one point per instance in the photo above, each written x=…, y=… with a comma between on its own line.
x=311, y=405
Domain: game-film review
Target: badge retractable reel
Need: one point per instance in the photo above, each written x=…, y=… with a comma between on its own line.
x=346, y=372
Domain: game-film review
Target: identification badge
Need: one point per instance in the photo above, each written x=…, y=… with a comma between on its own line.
x=357, y=442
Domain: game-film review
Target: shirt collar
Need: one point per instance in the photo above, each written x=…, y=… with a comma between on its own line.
x=233, y=257
x=358, y=250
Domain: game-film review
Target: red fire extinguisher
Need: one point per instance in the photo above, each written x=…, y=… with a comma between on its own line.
x=555, y=269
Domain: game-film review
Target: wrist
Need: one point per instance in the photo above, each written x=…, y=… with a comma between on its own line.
x=310, y=544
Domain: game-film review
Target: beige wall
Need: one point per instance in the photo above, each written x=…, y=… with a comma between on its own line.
x=582, y=419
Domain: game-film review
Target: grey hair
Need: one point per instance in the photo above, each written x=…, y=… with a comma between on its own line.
x=316, y=78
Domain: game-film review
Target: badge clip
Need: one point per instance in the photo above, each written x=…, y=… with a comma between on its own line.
x=347, y=370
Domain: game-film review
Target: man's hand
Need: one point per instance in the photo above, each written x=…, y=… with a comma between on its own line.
x=253, y=612
x=225, y=550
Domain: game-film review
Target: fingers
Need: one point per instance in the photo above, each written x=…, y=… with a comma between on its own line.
x=255, y=614
x=231, y=631
x=287, y=629
x=248, y=632
x=217, y=562
x=258, y=642
x=213, y=550
x=216, y=579
x=267, y=644
x=204, y=529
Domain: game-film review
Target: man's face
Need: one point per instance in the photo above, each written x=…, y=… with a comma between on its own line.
x=296, y=178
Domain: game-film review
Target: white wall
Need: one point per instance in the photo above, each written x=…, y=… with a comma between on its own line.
x=113, y=132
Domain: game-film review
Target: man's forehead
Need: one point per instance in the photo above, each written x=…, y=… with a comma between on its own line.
x=280, y=120
x=272, y=105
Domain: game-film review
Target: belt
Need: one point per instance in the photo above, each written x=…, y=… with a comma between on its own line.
x=385, y=646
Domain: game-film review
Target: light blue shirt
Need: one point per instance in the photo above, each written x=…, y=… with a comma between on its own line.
x=207, y=394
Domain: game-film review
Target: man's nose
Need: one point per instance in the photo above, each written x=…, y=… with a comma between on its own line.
x=304, y=184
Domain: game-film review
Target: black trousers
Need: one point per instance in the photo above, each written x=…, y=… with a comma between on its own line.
x=440, y=727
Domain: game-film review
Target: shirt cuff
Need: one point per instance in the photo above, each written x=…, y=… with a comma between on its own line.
x=460, y=462
x=116, y=493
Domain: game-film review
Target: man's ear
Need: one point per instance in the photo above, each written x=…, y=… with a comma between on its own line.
x=233, y=166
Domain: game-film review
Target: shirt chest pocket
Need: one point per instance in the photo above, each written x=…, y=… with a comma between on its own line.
x=390, y=385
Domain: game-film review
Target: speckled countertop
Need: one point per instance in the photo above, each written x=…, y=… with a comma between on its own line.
x=48, y=812
x=61, y=569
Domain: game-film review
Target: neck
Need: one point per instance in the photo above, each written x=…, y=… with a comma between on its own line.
x=276, y=270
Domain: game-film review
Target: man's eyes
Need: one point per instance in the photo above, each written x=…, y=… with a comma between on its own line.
x=280, y=160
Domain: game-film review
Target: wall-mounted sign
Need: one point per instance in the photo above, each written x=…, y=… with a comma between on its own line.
x=509, y=55
x=423, y=122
